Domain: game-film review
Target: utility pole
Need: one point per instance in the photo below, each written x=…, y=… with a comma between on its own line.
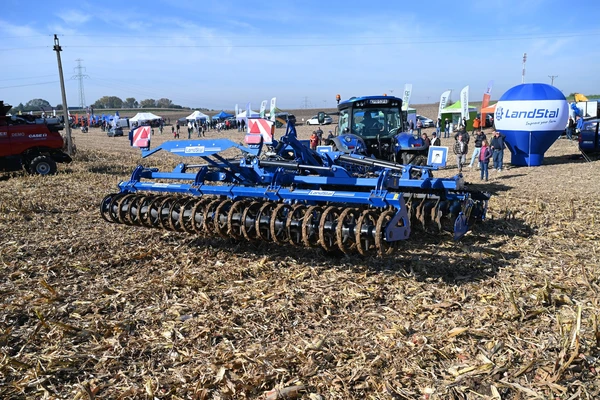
x=58, y=49
x=80, y=76
x=552, y=78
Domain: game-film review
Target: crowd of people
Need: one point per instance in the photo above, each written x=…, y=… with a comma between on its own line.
x=484, y=150
x=316, y=139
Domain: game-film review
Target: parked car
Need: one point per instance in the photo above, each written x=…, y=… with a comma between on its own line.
x=589, y=138
x=315, y=120
x=115, y=131
x=427, y=123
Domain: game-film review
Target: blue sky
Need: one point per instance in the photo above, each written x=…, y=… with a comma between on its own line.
x=215, y=54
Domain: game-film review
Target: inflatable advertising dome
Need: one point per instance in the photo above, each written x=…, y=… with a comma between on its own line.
x=532, y=116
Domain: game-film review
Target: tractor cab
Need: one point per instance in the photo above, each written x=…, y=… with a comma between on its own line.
x=371, y=117
x=373, y=126
x=369, y=124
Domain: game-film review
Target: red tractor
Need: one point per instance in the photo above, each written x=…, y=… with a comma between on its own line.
x=31, y=143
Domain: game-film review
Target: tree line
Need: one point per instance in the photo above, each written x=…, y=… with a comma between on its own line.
x=112, y=102
x=131, y=102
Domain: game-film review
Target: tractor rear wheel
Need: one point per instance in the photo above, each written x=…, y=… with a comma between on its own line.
x=42, y=165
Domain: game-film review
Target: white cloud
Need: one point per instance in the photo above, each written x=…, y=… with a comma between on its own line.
x=551, y=47
x=73, y=17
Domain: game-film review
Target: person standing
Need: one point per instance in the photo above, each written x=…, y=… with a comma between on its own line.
x=476, y=125
x=446, y=128
x=460, y=149
x=497, y=145
x=438, y=127
x=570, y=128
x=426, y=141
x=320, y=135
x=435, y=140
x=419, y=126
x=465, y=136
x=479, y=138
x=484, y=159
x=314, y=141
x=190, y=129
x=411, y=126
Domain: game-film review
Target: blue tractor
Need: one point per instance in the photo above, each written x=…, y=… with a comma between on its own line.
x=375, y=126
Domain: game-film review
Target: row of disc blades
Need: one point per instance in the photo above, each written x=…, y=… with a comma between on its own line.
x=332, y=227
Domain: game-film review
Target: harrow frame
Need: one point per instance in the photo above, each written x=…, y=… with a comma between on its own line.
x=292, y=194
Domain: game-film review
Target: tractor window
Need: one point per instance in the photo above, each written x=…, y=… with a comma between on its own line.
x=343, y=123
x=371, y=122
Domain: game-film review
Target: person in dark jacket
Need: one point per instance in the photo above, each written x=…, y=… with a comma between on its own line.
x=465, y=136
x=446, y=128
x=435, y=140
x=570, y=128
x=460, y=149
x=484, y=159
x=497, y=145
x=479, y=138
x=426, y=141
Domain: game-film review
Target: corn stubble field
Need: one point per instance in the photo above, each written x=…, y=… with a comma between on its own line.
x=92, y=310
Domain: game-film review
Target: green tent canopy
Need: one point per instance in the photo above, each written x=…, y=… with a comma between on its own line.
x=453, y=113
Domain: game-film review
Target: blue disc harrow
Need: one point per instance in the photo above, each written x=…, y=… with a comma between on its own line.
x=287, y=193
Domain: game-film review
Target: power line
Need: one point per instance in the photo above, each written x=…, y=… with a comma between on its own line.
x=29, y=77
x=426, y=40
x=346, y=44
x=31, y=84
x=579, y=33
x=24, y=48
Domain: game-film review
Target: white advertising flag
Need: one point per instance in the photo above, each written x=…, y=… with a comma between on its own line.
x=443, y=101
x=272, y=109
x=237, y=110
x=263, y=107
x=464, y=102
x=406, y=96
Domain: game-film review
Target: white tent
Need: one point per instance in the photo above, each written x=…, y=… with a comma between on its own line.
x=242, y=115
x=196, y=115
x=144, y=116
